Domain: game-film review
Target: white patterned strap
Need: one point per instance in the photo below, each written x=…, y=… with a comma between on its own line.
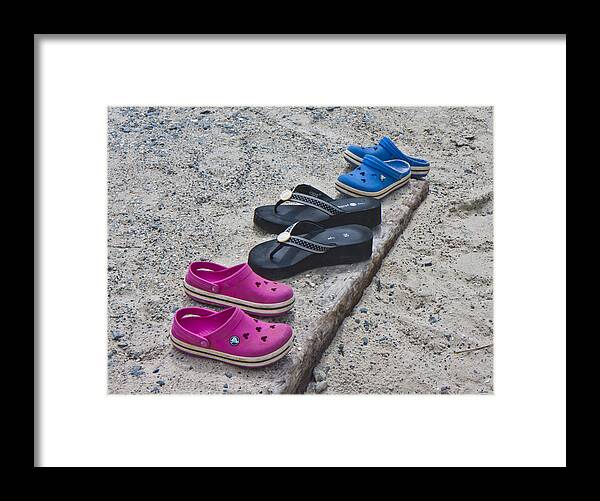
x=307, y=195
x=288, y=237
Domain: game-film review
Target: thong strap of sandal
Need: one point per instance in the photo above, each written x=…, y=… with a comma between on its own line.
x=307, y=195
x=289, y=237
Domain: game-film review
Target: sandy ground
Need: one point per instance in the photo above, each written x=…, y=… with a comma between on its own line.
x=432, y=298
x=183, y=183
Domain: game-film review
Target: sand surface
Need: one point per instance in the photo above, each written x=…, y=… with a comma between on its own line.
x=183, y=183
x=425, y=324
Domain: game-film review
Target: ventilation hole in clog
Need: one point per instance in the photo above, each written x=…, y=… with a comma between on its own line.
x=257, y=284
x=246, y=335
x=362, y=173
x=263, y=339
x=271, y=326
x=363, y=180
x=273, y=289
x=265, y=282
x=258, y=329
x=255, y=320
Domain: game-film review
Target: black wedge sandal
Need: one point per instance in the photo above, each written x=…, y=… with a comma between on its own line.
x=317, y=207
x=306, y=245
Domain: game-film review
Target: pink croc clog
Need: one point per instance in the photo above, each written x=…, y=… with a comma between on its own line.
x=238, y=286
x=230, y=336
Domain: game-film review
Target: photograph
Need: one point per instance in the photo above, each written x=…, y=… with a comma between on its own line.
x=300, y=250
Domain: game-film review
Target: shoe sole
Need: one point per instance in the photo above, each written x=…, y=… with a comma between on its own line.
x=416, y=172
x=351, y=158
x=263, y=361
x=353, y=192
x=361, y=250
x=260, y=309
x=419, y=172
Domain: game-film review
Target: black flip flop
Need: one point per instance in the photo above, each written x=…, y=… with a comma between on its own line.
x=317, y=207
x=306, y=245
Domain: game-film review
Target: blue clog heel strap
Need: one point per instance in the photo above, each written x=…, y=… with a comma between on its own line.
x=382, y=167
x=393, y=150
x=391, y=147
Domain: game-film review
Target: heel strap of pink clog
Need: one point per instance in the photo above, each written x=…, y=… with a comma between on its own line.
x=192, y=311
x=205, y=265
x=236, y=275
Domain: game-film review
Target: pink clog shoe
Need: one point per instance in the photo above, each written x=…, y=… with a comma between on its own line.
x=237, y=286
x=230, y=336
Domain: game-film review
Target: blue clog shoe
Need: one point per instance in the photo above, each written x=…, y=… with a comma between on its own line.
x=374, y=178
x=387, y=151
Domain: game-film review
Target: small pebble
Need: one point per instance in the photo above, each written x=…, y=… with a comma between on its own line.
x=136, y=370
x=116, y=335
x=320, y=387
x=319, y=375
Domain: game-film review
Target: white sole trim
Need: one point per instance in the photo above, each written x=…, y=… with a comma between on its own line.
x=213, y=298
x=348, y=190
x=352, y=158
x=233, y=359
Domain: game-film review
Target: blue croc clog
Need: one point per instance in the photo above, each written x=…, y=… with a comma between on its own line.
x=374, y=178
x=387, y=151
